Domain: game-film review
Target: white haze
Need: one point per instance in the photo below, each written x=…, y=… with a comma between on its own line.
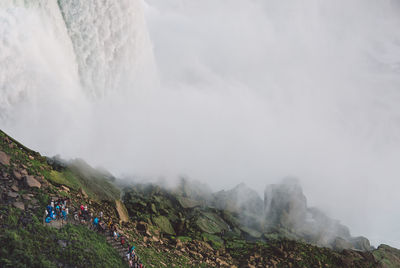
x=246, y=91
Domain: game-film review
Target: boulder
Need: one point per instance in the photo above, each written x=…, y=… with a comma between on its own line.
x=360, y=243
x=26, y=197
x=17, y=175
x=4, y=158
x=12, y=194
x=31, y=182
x=164, y=224
x=14, y=188
x=19, y=205
x=65, y=188
x=211, y=223
x=340, y=244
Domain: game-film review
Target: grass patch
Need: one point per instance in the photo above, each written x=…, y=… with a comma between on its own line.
x=35, y=245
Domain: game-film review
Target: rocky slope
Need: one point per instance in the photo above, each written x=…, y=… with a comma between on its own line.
x=187, y=226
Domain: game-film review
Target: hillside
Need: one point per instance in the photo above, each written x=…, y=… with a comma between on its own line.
x=186, y=226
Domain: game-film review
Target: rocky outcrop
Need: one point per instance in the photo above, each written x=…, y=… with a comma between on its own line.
x=31, y=182
x=164, y=224
x=387, y=257
x=286, y=211
x=285, y=205
x=240, y=199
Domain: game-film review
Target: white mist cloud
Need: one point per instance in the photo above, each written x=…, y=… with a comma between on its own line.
x=249, y=91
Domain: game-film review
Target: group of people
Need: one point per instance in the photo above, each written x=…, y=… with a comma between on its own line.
x=131, y=256
x=56, y=210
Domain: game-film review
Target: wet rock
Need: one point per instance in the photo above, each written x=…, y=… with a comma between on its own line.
x=31, y=182
x=4, y=158
x=19, y=205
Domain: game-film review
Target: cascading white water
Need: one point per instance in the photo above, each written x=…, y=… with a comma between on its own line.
x=62, y=49
x=36, y=56
x=111, y=44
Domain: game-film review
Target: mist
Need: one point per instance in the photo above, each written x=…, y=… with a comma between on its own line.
x=228, y=92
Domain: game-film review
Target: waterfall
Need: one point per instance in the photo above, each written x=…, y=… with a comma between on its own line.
x=59, y=52
x=111, y=43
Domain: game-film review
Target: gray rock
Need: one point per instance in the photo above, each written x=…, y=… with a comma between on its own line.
x=12, y=194
x=360, y=243
x=285, y=204
x=31, y=182
x=17, y=175
x=19, y=205
x=4, y=158
x=340, y=244
x=14, y=188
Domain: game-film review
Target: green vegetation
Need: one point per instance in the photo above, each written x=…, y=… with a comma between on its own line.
x=65, y=178
x=215, y=241
x=27, y=243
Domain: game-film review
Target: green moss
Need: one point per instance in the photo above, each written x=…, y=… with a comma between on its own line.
x=163, y=223
x=184, y=239
x=216, y=241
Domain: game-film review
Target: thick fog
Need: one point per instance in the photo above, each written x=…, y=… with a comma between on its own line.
x=244, y=91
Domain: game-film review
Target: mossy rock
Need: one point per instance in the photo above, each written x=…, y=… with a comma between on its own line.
x=187, y=202
x=250, y=232
x=164, y=224
x=211, y=223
